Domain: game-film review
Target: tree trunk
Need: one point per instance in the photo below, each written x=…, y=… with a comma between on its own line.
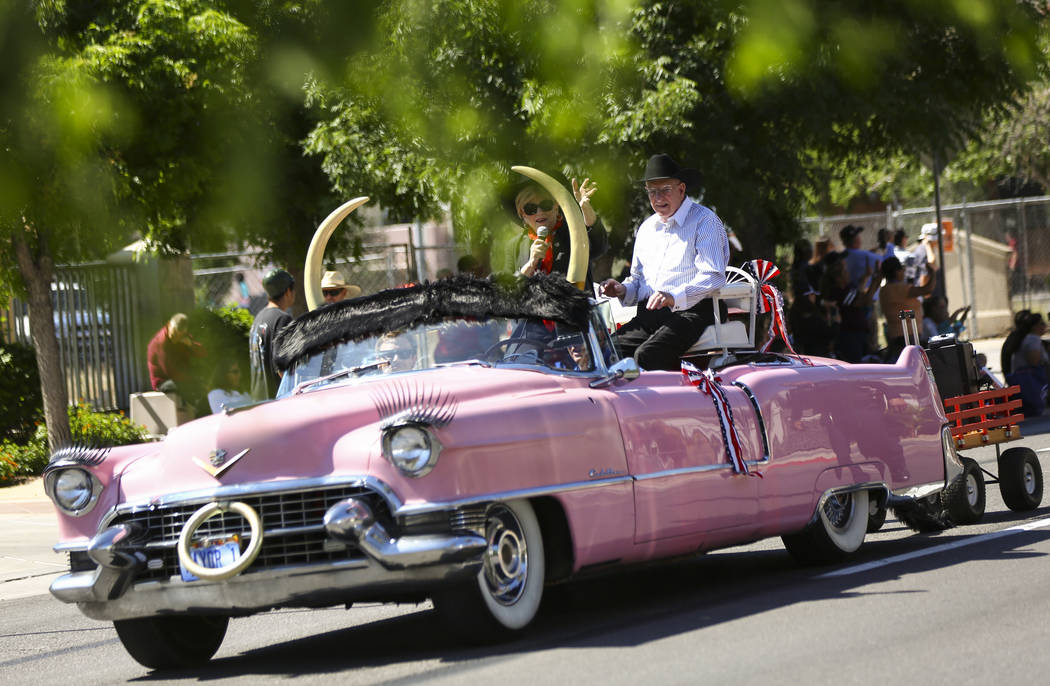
x=37, y=269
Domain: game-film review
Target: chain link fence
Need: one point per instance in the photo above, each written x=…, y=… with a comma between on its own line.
x=235, y=278
x=1020, y=227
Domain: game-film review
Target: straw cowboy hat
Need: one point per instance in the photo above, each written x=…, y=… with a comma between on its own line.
x=336, y=280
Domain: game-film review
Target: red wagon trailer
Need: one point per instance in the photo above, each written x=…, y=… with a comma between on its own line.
x=991, y=417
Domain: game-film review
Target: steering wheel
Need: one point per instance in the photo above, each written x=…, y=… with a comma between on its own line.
x=513, y=340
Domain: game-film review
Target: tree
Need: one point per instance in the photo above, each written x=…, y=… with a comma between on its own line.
x=126, y=118
x=766, y=96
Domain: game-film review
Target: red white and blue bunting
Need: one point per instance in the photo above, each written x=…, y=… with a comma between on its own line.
x=710, y=384
x=770, y=300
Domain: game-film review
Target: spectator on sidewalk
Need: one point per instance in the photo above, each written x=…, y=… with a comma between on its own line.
x=896, y=295
x=334, y=288
x=854, y=306
x=814, y=325
x=169, y=358
x=280, y=291
x=800, y=267
x=1013, y=340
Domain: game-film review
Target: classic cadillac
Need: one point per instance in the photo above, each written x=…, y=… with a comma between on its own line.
x=471, y=440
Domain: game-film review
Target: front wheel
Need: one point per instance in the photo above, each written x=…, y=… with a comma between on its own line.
x=1020, y=479
x=171, y=642
x=505, y=596
x=965, y=496
x=838, y=531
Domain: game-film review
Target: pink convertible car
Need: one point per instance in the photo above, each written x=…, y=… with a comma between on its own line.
x=470, y=441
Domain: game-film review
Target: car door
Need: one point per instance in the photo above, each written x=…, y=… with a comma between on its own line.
x=684, y=484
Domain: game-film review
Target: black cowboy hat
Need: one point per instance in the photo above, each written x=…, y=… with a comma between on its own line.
x=661, y=166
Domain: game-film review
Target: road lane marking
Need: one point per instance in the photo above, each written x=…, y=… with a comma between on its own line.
x=981, y=538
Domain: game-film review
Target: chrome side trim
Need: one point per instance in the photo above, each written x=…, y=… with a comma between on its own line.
x=685, y=470
x=761, y=422
x=510, y=495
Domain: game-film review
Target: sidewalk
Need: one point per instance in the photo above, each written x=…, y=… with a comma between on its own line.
x=28, y=529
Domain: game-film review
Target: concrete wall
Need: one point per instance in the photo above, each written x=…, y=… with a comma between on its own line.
x=989, y=295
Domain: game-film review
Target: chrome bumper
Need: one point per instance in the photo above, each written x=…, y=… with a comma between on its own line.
x=393, y=566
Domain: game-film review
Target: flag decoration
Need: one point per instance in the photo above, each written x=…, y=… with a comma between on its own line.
x=771, y=301
x=710, y=384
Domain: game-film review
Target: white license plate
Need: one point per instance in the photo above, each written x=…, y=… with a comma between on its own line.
x=213, y=554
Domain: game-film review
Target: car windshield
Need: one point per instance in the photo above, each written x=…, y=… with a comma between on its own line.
x=495, y=341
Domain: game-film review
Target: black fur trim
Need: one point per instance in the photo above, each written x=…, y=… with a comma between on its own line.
x=543, y=296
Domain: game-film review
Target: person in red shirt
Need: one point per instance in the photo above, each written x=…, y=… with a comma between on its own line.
x=169, y=357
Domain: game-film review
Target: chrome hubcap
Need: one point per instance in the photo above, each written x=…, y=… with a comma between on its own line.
x=971, y=490
x=838, y=509
x=507, y=558
x=1029, y=478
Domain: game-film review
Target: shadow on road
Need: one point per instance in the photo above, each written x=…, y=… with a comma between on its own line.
x=627, y=609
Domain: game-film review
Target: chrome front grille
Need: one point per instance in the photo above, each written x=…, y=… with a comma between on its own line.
x=293, y=528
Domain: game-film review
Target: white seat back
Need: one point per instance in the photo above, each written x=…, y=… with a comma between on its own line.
x=739, y=293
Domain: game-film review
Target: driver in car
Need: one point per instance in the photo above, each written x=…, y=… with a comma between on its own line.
x=399, y=350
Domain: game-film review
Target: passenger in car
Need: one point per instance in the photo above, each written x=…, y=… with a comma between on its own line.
x=680, y=258
x=550, y=253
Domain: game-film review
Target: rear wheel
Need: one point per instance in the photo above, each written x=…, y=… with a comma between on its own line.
x=505, y=596
x=964, y=499
x=838, y=531
x=876, y=512
x=171, y=642
x=1020, y=479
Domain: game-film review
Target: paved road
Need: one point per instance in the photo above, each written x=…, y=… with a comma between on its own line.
x=964, y=606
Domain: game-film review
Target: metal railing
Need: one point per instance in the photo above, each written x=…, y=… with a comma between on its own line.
x=100, y=349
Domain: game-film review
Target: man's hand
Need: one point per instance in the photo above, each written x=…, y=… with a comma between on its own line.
x=613, y=288
x=659, y=300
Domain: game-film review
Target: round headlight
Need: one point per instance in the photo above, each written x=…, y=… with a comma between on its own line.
x=411, y=450
x=73, y=489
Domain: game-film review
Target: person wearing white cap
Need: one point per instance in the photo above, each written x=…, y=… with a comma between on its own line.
x=335, y=288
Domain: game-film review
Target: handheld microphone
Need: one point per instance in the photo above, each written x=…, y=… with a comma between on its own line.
x=541, y=233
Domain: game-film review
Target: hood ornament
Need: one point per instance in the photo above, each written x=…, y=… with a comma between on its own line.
x=217, y=462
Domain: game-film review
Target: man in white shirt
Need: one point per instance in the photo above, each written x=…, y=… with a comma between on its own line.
x=680, y=257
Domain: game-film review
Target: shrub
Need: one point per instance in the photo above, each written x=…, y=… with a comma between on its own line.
x=21, y=406
x=88, y=428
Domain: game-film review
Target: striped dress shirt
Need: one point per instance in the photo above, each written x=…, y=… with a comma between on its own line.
x=685, y=257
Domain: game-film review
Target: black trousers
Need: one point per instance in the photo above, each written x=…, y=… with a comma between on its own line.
x=657, y=339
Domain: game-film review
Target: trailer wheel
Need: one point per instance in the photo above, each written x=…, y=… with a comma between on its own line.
x=1020, y=479
x=964, y=499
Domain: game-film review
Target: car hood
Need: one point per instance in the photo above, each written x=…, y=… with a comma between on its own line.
x=332, y=431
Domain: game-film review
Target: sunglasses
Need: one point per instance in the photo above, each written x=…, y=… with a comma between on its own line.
x=331, y=292
x=397, y=353
x=531, y=208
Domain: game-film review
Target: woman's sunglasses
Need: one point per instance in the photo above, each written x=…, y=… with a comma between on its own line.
x=531, y=208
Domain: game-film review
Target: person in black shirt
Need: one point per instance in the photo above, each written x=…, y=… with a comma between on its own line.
x=280, y=290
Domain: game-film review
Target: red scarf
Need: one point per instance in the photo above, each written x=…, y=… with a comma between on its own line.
x=548, y=259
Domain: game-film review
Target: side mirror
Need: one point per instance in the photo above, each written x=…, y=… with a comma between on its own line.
x=626, y=369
